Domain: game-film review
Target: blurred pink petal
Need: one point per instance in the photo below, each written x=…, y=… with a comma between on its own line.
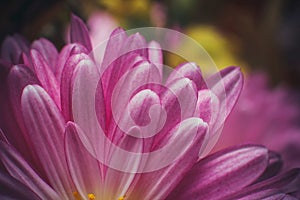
x=265, y=116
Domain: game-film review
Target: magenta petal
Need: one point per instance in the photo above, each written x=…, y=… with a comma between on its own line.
x=207, y=107
x=188, y=70
x=66, y=83
x=112, y=51
x=287, y=182
x=18, y=78
x=179, y=102
x=84, y=86
x=45, y=126
x=45, y=76
x=140, y=76
x=135, y=43
x=64, y=55
x=3, y=137
x=227, y=90
x=180, y=154
x=13, y=47
x=155, y=55
x=84, y=168
x=220, y=174
x=79, y=33
x=11, y=188
x=48, y=50
x=122, y=174
x=20, y=170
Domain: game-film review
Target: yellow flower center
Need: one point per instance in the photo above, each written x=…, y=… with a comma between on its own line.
x=91, y=196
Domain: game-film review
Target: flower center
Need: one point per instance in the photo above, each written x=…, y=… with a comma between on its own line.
x=91, y=196
x=122, y=197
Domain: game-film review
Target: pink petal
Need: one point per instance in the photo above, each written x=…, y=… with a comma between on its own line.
x=227, y=90
x=121, y=175
x=84, y=86
x=188, y=70
x=45, y=76
x=45, y=127
x=84, y=168
x=207, y=107
x=47, y=50
x=112, y=51
x=20, y=170
x=220, y=174
x=79, y=33
x=3, y=137
x=179, y=155
x=19, y=77
x=64, y=55
x=287, y=182
x=66, y=83
x=11, y=188
x=131, y=82
x=179, y=102
x=12, y=48
x=155, y=55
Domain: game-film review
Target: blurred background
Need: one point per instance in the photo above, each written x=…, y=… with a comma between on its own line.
x=257, y=34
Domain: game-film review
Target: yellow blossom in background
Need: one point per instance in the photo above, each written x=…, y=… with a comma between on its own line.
x=127, y=8
x=221, y=50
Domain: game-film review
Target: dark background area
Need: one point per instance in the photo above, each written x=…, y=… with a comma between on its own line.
x=267, y=31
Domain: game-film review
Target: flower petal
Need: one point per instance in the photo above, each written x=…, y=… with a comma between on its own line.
x=287, y=182
x=11, y=188
x=20, y=170
x=188, y=70
x=45, y=127
x=19, y=77
x=176, y=158
x=45, y=76
x=84, y=86
x=48, y=50
x=124, y=163
x=66, y=83
x=84, y=168
x=227, y=89
x=155, y=55
x=219, y=175
x=12, y=48
x=64, y=55
x=79, y=33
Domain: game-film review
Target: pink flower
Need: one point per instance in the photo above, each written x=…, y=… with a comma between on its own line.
x=265, y=116
x=74, y=128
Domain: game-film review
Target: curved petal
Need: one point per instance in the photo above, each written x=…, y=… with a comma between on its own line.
x=287, y=182
x=188, y=70
x=155, y=56
x=64, y=55
x=219, y=175
x=20, y=170
x=45, y=76
x=84, y=168
x=48, y=50
x=45, y=126
x=79, y=33
x=66, y=83
x=13, y=47
x=179, y=155
x=227, y=89
x=12, y=189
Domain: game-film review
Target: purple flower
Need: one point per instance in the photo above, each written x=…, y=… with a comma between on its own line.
x=265, y=116
x=74, y=128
